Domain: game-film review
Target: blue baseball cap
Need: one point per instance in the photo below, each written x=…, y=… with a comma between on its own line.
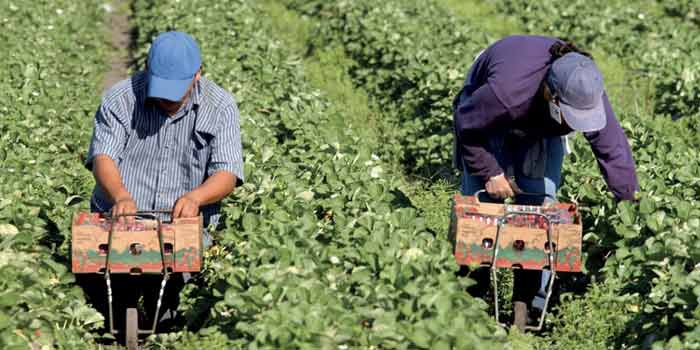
x=173, y=61
x=578, y=84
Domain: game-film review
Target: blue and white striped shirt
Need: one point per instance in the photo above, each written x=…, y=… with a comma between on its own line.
x=160, y=157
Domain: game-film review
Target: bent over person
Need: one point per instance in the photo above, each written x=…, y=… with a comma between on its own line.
x=166, y=138
x=521, y=97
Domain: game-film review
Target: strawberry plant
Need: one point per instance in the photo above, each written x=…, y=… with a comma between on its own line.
x=315, y=254
x=411, y=72
x=52, y=62
x=320, y=248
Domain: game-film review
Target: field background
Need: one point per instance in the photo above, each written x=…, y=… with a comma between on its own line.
x=338, y=238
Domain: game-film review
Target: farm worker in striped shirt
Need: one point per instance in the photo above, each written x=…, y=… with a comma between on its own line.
x=165, y=138
x=522, y=96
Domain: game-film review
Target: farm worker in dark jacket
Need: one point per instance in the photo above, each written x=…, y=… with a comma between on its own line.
x=521, y=97
x=165, y=138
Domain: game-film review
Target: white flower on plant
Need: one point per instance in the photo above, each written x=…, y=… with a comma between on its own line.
x=688, y=75
x=8, y=230
x=267, y=297
x=334, y=260
x=411, y=254
x=59, y=12
x=375, y=172
x=331, y=279
x=374, y=158
x=306, y=195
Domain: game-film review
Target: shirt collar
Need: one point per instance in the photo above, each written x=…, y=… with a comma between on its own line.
x=196, y=94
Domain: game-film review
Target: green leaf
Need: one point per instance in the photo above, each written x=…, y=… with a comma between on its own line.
x=9, y=298
x=647, y=205
x=656, y=221
x=4, y=321
x=421, y=338
x=626, y=213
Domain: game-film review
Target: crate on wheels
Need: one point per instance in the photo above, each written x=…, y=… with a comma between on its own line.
x=101, y=244
x=496, y=235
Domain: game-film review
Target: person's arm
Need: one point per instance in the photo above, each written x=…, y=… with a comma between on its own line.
x=109, y=179
x=214, y=189
x=224, y=168
x=614, y=156
x=106, y=146
x=474, y=116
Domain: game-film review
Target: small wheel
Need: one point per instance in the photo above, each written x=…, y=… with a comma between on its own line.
x=132, y=329
x=520, y=315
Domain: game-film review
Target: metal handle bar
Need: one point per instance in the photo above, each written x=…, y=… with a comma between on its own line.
x=144, y=213
x=520, y=193
x=550, y=257
x=166, y=273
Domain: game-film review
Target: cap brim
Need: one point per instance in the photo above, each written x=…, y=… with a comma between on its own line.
x=584, y=120
x=172, y=90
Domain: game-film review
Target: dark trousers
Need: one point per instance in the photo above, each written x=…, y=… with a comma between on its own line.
x=126, y=292
x=523, y=287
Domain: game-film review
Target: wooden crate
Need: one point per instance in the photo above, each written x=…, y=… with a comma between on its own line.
x=523, y=238
x=135, y=247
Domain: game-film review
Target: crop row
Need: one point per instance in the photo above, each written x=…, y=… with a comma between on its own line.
x=318, y=249
x=316, y=252
x=655, y=241
x=410, y=57
x=647, y=249
x=45, y=124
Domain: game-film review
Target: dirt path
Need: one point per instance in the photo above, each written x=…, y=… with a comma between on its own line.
x=119, y=36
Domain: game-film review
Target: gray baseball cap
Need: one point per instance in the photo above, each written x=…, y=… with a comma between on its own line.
x=578, y=84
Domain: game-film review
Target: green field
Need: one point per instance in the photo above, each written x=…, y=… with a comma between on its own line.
x=338, y=239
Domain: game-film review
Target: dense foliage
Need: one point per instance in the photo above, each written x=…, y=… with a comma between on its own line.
x=321, y=247
x=655, y=242
x=45, y=123
x=646, y=252
x=317, y=249
x=413, y=73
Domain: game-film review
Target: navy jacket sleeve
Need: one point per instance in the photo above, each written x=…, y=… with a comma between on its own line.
x=614, y=156
x=473, y=115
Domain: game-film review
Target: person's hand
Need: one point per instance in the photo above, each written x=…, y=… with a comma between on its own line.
x=499, y=187
x=186, y=206
x=124, y=205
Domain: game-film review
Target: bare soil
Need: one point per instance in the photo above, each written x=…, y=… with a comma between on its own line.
x=119, y=35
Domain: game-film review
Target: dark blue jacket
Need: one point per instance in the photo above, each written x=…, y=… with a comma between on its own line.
x=505, y=92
